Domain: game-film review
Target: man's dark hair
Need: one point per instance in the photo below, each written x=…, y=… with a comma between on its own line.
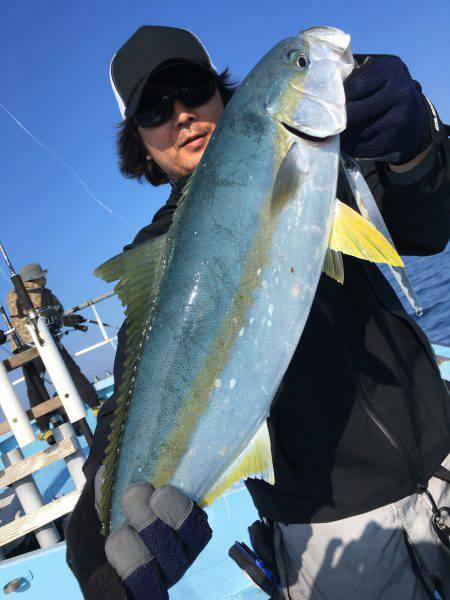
x=132, y=152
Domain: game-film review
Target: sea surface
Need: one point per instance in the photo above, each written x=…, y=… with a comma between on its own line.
x=430, y=276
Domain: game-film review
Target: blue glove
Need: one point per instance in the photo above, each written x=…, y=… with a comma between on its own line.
x=385, y=112
x=166, y=533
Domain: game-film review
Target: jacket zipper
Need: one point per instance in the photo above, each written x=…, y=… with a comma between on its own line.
x=415, y=471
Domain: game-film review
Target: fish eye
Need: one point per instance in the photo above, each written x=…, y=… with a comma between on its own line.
x=300, y=59
x=302, y=62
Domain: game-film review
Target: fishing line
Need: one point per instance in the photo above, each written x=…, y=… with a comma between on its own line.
x=63, y=162
x=5, y=276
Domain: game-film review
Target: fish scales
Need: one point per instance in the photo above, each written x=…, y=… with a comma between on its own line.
x=238, y=277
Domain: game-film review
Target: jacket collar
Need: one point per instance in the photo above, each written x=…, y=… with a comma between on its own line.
x=177, y=190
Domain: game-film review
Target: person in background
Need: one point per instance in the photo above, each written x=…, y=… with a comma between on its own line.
x=34, y=278
x=359, y=445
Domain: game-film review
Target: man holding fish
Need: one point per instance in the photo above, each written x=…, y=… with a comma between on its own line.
x=348, y=470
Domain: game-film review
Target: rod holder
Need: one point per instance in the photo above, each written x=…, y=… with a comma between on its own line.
x=14, y=411
x=57, y=370
x=74, y=462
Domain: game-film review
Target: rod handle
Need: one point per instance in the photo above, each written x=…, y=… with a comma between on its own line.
x=22, y=293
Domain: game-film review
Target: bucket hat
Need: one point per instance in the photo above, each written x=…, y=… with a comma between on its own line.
x=32, y=271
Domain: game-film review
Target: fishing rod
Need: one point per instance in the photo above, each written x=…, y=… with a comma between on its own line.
x=89, y=303
x=104, y=324
x=12, y=330
x=22, y=294
x=50, y=355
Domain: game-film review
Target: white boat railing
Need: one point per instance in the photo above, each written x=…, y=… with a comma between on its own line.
x=37, y=516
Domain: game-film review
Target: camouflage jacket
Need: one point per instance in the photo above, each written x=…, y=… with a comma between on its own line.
x=41, y=297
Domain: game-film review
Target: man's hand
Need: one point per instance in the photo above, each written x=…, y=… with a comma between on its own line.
x=385, y=112
x=73, y=320
x=165, y=534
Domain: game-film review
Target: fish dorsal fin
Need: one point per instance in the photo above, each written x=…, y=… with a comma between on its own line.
x=138, y=271
x=136, y=266
x=352, y=234
x=254, y=461
x=290, y=177
x=333, y=265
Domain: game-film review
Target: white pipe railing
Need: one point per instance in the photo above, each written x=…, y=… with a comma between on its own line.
x=98, y=345
x=75, y=461
x=57, y=370
x=14, y=411
x=102, y=327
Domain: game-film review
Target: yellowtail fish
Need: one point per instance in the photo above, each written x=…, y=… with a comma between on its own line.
x=216, y=308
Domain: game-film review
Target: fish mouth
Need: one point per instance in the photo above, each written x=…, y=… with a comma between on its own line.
x=305, y=136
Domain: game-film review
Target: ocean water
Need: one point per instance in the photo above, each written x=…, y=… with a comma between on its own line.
x=430, y=276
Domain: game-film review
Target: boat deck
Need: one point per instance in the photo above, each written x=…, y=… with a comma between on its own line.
x=44, y=571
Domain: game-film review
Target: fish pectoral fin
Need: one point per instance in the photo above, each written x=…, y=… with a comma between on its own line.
x=333, y=265
x=254, y=461
x=291, y=174
x=352, y=234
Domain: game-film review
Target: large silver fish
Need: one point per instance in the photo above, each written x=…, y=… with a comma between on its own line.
x=216, y=308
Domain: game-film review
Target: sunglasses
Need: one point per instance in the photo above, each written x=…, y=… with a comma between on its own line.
x=159, y=109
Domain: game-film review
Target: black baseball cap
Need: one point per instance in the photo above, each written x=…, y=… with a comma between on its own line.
x=150, y=50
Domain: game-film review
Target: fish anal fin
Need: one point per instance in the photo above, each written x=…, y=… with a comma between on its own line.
x=289, y=179
x=333, y=265
x=352, y=234
x=254, y=461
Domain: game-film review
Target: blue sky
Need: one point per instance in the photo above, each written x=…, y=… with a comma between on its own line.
x=54, y=74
